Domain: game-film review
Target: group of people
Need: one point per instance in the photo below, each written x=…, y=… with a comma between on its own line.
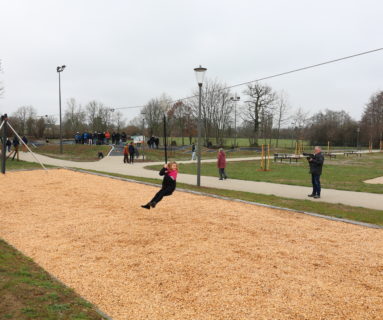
x=153, y=142
x=99, y=138
x=16, y=144
x=129, y=151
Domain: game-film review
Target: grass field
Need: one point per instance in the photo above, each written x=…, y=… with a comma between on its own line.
x=343, y=173
x=329, y=209
x=74, y=152
x=28, y=292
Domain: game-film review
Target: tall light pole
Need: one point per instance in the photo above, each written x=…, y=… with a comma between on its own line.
x=200, y=75
x=357, y=138
x=59, y=70
x=143, y=134
x=235, y=99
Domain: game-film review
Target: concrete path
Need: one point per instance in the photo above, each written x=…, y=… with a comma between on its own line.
x=115, y=165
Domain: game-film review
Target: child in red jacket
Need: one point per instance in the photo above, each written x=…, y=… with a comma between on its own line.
x=221, y=164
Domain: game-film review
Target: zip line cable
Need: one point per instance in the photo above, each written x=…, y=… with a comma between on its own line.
x=275, y=75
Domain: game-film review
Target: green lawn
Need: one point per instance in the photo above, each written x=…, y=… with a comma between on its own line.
x=329, y=209
x=20, y=165
x=343, y=173
x=74, y=152
x=28, y=292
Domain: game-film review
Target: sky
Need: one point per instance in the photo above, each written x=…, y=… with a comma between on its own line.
x=123, y=53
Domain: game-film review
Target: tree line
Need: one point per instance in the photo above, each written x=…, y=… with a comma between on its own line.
x=261, y=113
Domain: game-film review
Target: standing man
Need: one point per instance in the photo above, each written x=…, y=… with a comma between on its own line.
x=131, y=153
x=316, y=163
x=193, y=151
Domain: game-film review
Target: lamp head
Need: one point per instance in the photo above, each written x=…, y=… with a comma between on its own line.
x=200, y=74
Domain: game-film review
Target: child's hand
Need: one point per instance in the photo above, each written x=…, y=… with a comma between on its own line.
x=165, y=166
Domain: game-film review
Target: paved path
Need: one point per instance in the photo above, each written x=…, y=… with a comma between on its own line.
x=115, y=165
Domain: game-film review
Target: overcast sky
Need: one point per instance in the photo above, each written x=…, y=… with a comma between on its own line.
x=123, y=53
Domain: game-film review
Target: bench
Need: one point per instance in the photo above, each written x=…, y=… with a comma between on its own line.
x=358, y=153
x=329, y=155
x=285, y=156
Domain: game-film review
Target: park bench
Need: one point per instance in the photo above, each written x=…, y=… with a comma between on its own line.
x=285, y=156
x=329, y=155
x=358, y=153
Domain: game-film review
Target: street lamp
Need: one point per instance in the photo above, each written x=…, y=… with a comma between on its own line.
x=143, y=134
x=235, y=99
x=200, y=75
x=59, y=70
x=164, y=109
x=357, y=138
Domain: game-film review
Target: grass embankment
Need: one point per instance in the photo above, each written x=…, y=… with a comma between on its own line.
x=342, y=173
x=329, y=209
x=74, y=152
x=20, y=165
x=28, y=292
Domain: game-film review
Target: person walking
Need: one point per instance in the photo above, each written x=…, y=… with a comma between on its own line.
x=9, y=144
x=131, y=152
x=170, y=172
x=126, y=153
x=193, y=151
x=25, y=140
x=316, y=161
x=221, y=164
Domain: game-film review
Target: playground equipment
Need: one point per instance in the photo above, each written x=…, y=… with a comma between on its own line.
x=265, y=158
x=4, y=125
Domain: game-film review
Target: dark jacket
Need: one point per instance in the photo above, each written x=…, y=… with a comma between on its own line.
x=168, y=183
x=131, y=149
x=316, y=163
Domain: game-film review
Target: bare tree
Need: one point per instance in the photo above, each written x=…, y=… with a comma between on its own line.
x=372, y=120
x=154, y=111
x=258, y=107
x=282, y=108
x=300, y=120
x=25, y=118
x=216, y=110
x=51, y=125
x=74, y=118
x=118, y=120
x=40, y=127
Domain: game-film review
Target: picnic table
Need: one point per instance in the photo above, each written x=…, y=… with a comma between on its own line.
x=358, y=153
x=286, y=156
x=329, y=154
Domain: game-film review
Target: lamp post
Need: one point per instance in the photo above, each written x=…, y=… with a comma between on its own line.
x=235, y=99
x=357, y=138
x=143, y=134
x=59, y=70
x=200, y=75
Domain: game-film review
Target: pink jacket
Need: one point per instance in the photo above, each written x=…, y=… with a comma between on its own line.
x=221, y=162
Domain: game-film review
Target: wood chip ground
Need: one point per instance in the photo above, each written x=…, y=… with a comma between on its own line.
x=192, y=257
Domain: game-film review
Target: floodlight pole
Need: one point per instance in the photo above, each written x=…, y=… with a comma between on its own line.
x=59, y=70
x=165, y=142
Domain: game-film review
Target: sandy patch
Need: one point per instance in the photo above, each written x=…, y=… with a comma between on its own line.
x=378, y=180
x=193, y=257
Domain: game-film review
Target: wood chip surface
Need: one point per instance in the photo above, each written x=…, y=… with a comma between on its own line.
x=192, y=257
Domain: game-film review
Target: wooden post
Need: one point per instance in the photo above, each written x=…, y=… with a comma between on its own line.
x=262, y=158
x=268, y=157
